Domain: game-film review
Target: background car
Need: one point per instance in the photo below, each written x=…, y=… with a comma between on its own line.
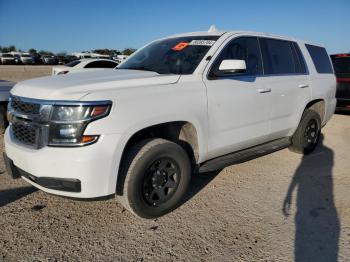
x=78, y=65
x=341, y=64
x=49, y=60
x=7, y=59
x=26, y=59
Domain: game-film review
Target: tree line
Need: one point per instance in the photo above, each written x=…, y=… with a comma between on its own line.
x=104, y=51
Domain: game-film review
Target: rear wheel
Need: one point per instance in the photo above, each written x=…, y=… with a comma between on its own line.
x=155, y=177
x=306, y=137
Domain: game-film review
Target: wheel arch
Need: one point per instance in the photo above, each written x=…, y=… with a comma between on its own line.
x=183, y=133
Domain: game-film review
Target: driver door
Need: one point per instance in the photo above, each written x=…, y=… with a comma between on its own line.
x=238, y=103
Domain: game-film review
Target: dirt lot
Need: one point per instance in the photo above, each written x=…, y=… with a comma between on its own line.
x=17, y=73
x=232, y=215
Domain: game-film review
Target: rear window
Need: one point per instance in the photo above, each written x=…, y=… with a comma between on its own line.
x=341, y=64
x=320, y=58
x=277, y=56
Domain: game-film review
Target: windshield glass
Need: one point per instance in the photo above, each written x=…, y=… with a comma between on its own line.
x=179, y=55
x=7, y=55
x=25, y=55
x=72, y=63
x=341, y=65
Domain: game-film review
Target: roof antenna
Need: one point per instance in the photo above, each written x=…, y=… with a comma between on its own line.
x=212, y=28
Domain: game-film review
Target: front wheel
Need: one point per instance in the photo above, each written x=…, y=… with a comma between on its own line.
x=155, y=177
x=307, y=135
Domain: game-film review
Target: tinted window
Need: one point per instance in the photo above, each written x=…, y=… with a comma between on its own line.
x=320, y=58
x=180, y=55
x=277, y=56
x=243, y=48
x=101, y=64
x=341, y=64
x=73, y=63
x=298, y=58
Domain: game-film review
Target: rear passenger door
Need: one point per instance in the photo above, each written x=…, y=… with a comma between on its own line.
x=286, y=75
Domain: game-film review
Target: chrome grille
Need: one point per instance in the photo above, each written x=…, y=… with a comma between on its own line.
x=24, y=107
x=25, y=133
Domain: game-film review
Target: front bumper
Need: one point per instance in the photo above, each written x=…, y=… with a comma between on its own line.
x=94, y=167
x=61, y=184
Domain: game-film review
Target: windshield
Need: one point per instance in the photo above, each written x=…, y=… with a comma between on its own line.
x=341, y=65
x=7, y=55
x=25, y=55
x=72, y=63
x=179, y=55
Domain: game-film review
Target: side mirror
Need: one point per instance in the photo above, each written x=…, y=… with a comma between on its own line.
x=232, y=66
x=229, y=67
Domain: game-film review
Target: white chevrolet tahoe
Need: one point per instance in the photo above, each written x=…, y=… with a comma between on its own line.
x=184, y=104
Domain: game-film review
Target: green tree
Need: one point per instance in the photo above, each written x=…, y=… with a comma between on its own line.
x=43, y=52
x=128, y=51
x=32, y=51
x=12, y=48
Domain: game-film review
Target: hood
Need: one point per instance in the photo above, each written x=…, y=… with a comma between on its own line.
x=75, y=86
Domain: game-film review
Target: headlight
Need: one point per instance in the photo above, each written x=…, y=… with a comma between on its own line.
x=68, y=123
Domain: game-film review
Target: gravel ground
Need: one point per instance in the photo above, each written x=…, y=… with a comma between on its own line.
x=15, y=73
x=232, y=215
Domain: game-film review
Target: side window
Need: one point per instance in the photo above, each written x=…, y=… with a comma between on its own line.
x=101, y=64
x=95, y=64
x=243, y=48
x=299, y=60
x=277, y=56
x=320, y=58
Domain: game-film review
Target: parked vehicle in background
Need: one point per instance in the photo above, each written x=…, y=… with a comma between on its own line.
x=5, y=88
x=120, y=58
x=26, y=59
x=83, y=64
x=341, y=64
x=49, y=60
x=194, y=102
x=7, y=59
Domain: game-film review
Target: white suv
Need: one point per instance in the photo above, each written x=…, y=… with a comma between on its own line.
x=187, y=103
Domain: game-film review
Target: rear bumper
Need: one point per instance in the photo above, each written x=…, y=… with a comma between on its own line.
x=82, y=172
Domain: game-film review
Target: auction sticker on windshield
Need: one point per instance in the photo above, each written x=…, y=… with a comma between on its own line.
x=202, y=42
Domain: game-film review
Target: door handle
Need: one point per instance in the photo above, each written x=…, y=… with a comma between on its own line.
x=303, y=85
x=264, y=90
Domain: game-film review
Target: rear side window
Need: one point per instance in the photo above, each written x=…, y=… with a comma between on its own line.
x=277, y=56
x=320, y=58
x=101, y=64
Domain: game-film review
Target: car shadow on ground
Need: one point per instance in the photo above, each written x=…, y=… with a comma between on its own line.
x=8, y=196
x=198, y=182
x=317, y=225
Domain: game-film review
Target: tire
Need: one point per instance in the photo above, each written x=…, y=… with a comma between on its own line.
x=3, y=119
x=307, y=135
x=155, y=177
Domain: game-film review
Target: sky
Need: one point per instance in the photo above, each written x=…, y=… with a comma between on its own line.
x=77, y=25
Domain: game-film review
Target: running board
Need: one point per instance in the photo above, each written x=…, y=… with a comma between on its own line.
x=244, y=155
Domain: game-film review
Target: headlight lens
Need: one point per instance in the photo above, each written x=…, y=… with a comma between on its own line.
x=68, y=124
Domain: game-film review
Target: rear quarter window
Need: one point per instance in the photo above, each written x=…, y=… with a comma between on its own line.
x=320, y=59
